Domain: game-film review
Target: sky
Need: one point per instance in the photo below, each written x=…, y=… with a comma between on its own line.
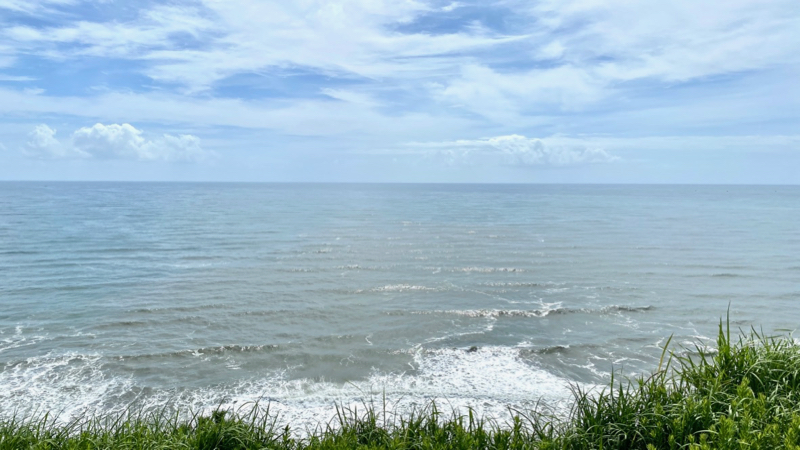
x=531, y=91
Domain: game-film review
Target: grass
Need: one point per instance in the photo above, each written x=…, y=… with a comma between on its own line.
x=743, y=395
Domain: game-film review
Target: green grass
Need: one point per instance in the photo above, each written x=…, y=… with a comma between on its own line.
x=744, y=395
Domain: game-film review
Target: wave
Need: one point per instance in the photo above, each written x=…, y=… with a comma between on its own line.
x=519, y=284
x=21, y=252
x=398, y=288
x=297, y=269
x=169, y=309
x=122, y=324
x=552, y=350
x=556, y=287
x=525, y=350
x=627, y=308
x=495, y=313
x=360, y=267
x=19, y=339
x=198, y=352
x=487, y=269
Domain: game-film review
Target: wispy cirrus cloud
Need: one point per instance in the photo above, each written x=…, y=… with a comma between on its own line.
x=16, y=78
x=672, y=41
x=161, y=27
x=554, y=54
x=584, y=52
x=33, y=6
x=351, y=38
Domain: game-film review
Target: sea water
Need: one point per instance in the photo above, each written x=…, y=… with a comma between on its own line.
x=303, y=297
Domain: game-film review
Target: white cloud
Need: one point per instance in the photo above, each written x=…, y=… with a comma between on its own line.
x=4, y=77
x=751, y=144
x=42, y=144
x=350, y=96
x=352, y=37
x=587, y=48
x=504, y=96
x=452, y=6
x=31, y=6
x=672, y=41
x=609, y=41
x=517, y=150
x=113, y=142
x=158, y=28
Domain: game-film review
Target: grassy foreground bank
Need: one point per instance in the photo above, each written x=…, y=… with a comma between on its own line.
x=745, y=395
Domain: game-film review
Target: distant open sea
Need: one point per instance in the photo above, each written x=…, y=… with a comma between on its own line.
x=304, y=296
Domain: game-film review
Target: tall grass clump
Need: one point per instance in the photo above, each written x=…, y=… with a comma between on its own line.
x=221, y=430
x=741, y=395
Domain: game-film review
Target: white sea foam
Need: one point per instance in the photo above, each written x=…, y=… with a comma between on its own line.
x=518, y=284
x=545, y=310
x=488, y=269
x=67, y=384
x=400, y=288
x=490, y=380
x=493, y=313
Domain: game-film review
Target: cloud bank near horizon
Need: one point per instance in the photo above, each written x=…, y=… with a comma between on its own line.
x=517, y=150
x=115, y=141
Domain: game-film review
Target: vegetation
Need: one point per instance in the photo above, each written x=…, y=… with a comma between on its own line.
x=743, y=395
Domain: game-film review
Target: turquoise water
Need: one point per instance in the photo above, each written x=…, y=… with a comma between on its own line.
x=303, y=296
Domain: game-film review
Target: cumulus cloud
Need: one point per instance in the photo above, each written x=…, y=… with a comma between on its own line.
x=42, y=144
x=518, y=150
x=113, y=141
x=126, y=142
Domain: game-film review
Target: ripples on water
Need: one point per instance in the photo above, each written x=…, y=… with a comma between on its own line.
x=198, y=295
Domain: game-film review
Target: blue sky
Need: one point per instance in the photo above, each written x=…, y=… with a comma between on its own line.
x=551, y=91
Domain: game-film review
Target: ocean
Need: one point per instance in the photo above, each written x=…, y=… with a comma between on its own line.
x=302, y=297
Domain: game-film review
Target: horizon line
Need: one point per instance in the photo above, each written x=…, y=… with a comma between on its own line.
x=405, y=183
